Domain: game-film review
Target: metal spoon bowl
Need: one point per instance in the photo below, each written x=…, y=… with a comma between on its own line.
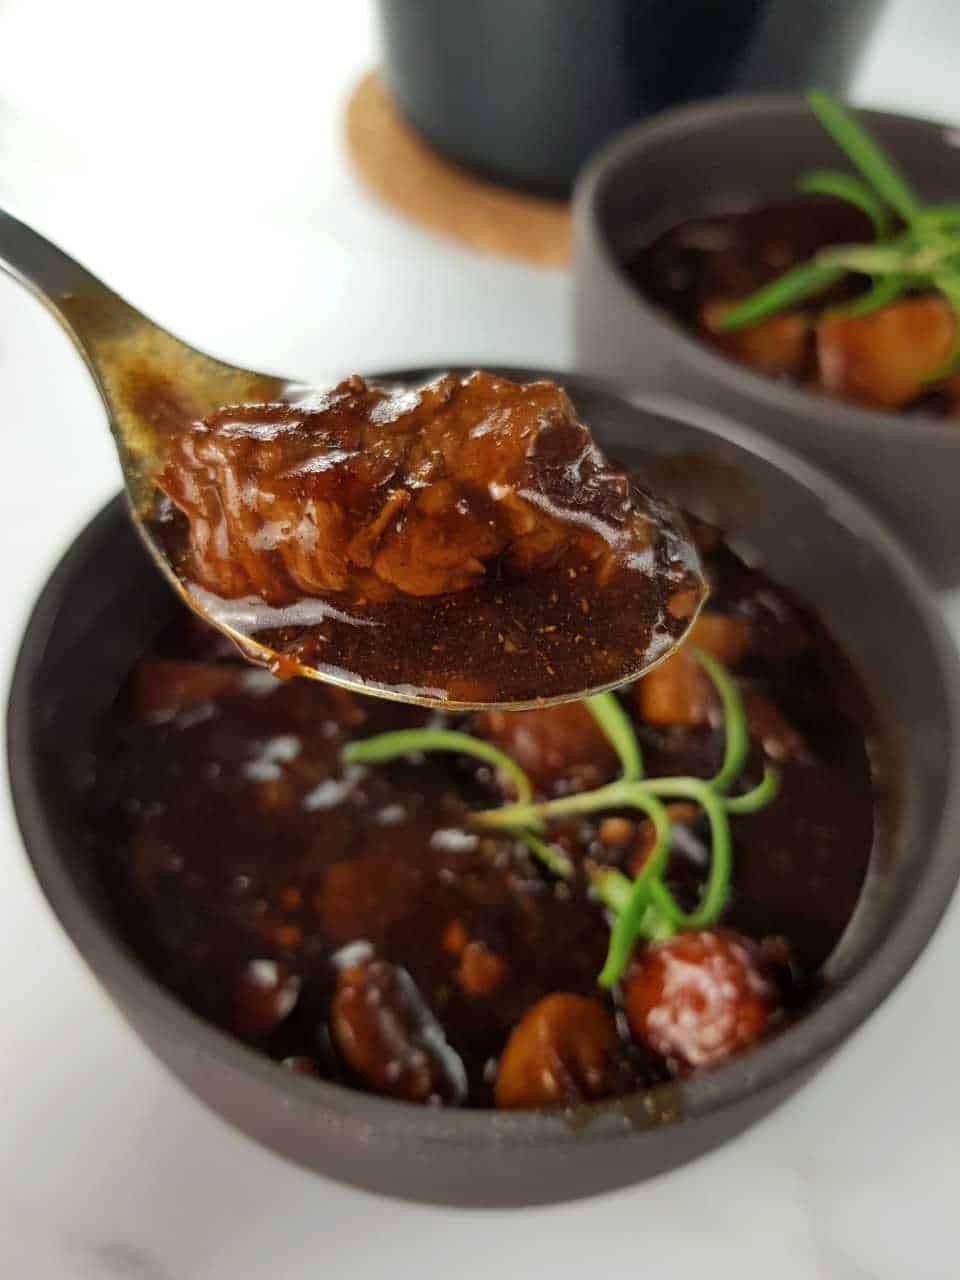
x=152, y=385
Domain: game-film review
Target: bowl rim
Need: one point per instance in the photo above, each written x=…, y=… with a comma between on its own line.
x=707, y=116
x=796, y=1047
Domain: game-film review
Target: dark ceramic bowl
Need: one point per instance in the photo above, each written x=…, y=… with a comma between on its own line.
x=744, y=150
x=105, y=601
x=526, y=92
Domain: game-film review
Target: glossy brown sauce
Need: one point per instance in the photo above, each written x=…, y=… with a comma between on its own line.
x=465, y=541
x=293, y=901
x=697, y=267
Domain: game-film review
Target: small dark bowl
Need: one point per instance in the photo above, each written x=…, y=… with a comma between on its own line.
x=744, y=150
x=527, y=92
x=105, y=601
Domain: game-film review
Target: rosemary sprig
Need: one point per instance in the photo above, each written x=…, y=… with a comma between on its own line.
x=644, y=907
x=882, y=291
x=924, y=253
x=861, y=150
x=795, y=285
x=831, y=182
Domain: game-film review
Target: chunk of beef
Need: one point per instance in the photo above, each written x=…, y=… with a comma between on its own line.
x=377, y=492
x=366, y=897
x=386, y=1034
x=562, y=1052
x=679, y=691
x=776, y=347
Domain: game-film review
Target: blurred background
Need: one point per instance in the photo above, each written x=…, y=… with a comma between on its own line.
x=196, y=160
x=194, y=156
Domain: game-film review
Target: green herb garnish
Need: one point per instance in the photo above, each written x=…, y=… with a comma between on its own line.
x=408, y=742
x=552, y=857
x=613, y=720
x=642, y=907
x=916, y=246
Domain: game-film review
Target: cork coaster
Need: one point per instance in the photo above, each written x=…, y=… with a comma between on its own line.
x=398, y=166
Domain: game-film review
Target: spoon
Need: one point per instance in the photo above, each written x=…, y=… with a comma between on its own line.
x=153, y=386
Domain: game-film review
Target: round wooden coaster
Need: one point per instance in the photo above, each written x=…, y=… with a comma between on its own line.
x=398, y=166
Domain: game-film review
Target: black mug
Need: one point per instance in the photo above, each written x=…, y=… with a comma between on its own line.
x=524, y=91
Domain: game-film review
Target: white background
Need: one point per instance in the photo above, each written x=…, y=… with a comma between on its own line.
x=189, y=152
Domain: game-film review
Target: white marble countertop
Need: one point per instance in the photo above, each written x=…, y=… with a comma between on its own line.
x=120, y=129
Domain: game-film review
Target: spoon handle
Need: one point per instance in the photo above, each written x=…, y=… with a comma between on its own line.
x=150, y=381
x=83, y=304
x=40, y=265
